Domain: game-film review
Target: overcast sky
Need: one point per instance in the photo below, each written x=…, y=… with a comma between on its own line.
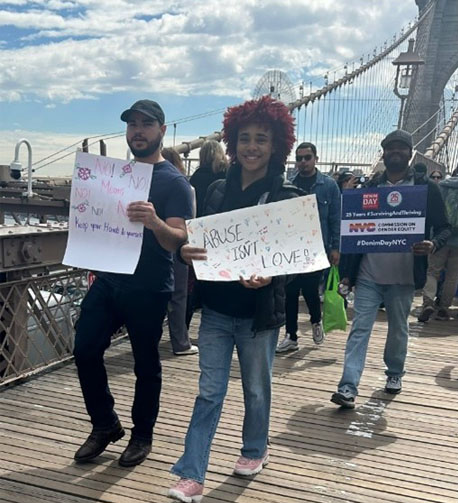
x=69, y=67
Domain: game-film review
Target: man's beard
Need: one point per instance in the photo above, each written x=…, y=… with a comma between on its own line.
x=396, y=166
x=150, y=148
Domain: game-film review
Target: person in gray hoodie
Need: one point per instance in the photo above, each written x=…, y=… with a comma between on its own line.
x=445, y=258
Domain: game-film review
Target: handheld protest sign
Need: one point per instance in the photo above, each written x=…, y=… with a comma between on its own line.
x=100, y=236
x=266, y=240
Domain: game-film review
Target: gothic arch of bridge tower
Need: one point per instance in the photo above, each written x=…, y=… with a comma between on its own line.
x=437, y=44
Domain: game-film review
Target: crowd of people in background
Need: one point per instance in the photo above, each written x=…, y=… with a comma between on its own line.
x=248, y=314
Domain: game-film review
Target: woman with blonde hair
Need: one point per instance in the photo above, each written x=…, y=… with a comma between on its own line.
x=213, y=166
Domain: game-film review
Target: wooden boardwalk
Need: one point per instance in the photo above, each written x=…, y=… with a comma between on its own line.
x=401, y=449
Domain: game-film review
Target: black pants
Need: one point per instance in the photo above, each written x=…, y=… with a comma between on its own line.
x=176, y=310
x=103, y=311
x=309, y=285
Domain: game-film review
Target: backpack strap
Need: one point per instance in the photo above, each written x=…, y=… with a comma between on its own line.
x=214, y=197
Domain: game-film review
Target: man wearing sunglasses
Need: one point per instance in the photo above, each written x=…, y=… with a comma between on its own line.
x=310, y=179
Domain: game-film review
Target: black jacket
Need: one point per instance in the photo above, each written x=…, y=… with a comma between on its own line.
x=201, y=179
x=270, y=300
x=437, y=229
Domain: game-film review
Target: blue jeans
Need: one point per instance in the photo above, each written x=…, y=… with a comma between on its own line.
x=218, y=334
x=368, y=297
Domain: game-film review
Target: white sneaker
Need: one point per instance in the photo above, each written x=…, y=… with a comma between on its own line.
x=191, y=351
x=287, y=344
x=318, y=333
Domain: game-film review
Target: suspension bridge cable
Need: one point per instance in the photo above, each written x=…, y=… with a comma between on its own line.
x=71, y=146
x=73, y=152
x=434, y=128
x=376, y=59
x=328, y=121
x=442, y=138
x=427, y=120
x=107, y=136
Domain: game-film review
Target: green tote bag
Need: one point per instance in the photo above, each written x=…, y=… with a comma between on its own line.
x=334, y=314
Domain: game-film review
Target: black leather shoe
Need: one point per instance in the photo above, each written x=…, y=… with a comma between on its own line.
x=97, y=442
x=136, y=452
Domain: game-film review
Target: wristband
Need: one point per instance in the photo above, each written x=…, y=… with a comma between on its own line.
x=178, y=253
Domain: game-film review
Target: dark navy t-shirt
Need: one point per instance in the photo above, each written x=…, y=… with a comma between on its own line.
x=172, y=196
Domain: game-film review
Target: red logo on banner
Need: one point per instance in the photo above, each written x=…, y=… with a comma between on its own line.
x=394, y=198
x=370, y=201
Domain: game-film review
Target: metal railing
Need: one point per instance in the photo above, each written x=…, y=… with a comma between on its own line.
x=37, y=316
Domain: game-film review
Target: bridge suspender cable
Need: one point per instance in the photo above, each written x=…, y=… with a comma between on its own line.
x=356, y=73
x=186, y=147
x=439, y=143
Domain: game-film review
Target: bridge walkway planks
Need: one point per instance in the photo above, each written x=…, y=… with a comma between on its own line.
x=401, y=449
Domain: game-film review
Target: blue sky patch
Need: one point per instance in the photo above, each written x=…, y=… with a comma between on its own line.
x=148, y=18
x=11, y=36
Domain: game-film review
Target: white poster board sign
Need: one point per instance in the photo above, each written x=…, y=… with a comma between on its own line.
x=267, y=240
x=100, y=236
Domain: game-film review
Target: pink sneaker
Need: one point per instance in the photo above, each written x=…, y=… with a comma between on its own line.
x=247, y=466
x=187, y=490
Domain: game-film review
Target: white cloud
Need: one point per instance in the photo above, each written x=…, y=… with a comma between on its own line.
x=32, y=19
x=191, y=47
x=13, y=2
x=85, y=49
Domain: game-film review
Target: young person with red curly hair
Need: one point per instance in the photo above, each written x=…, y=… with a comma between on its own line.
x=247, y=314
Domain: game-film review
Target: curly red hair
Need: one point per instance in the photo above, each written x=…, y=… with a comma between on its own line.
x=267, y=112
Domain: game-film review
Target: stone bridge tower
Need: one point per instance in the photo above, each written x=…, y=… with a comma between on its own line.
x=437, y=44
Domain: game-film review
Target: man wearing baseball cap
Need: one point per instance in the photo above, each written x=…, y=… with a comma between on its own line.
x=147, y=107
x=137, y=300
x=390, y=278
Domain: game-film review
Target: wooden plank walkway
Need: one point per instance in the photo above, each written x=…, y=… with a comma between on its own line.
x=401, y=449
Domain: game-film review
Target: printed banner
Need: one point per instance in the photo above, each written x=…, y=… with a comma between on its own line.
x=266, y=240
x=383, y=219
x=100, y=236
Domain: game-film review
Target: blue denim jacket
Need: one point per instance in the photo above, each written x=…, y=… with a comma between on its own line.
x=329, y=207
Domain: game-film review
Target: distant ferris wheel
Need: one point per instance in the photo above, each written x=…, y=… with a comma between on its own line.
x=276, y=84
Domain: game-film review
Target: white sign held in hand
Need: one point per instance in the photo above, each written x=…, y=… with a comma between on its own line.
x=265, y=240
x=100, y=236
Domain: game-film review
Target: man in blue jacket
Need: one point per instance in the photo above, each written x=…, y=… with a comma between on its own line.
x=391, y=278
x=312, y=181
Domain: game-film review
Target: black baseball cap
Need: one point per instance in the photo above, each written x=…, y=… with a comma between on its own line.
x=398, y=135
x=147, y=107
